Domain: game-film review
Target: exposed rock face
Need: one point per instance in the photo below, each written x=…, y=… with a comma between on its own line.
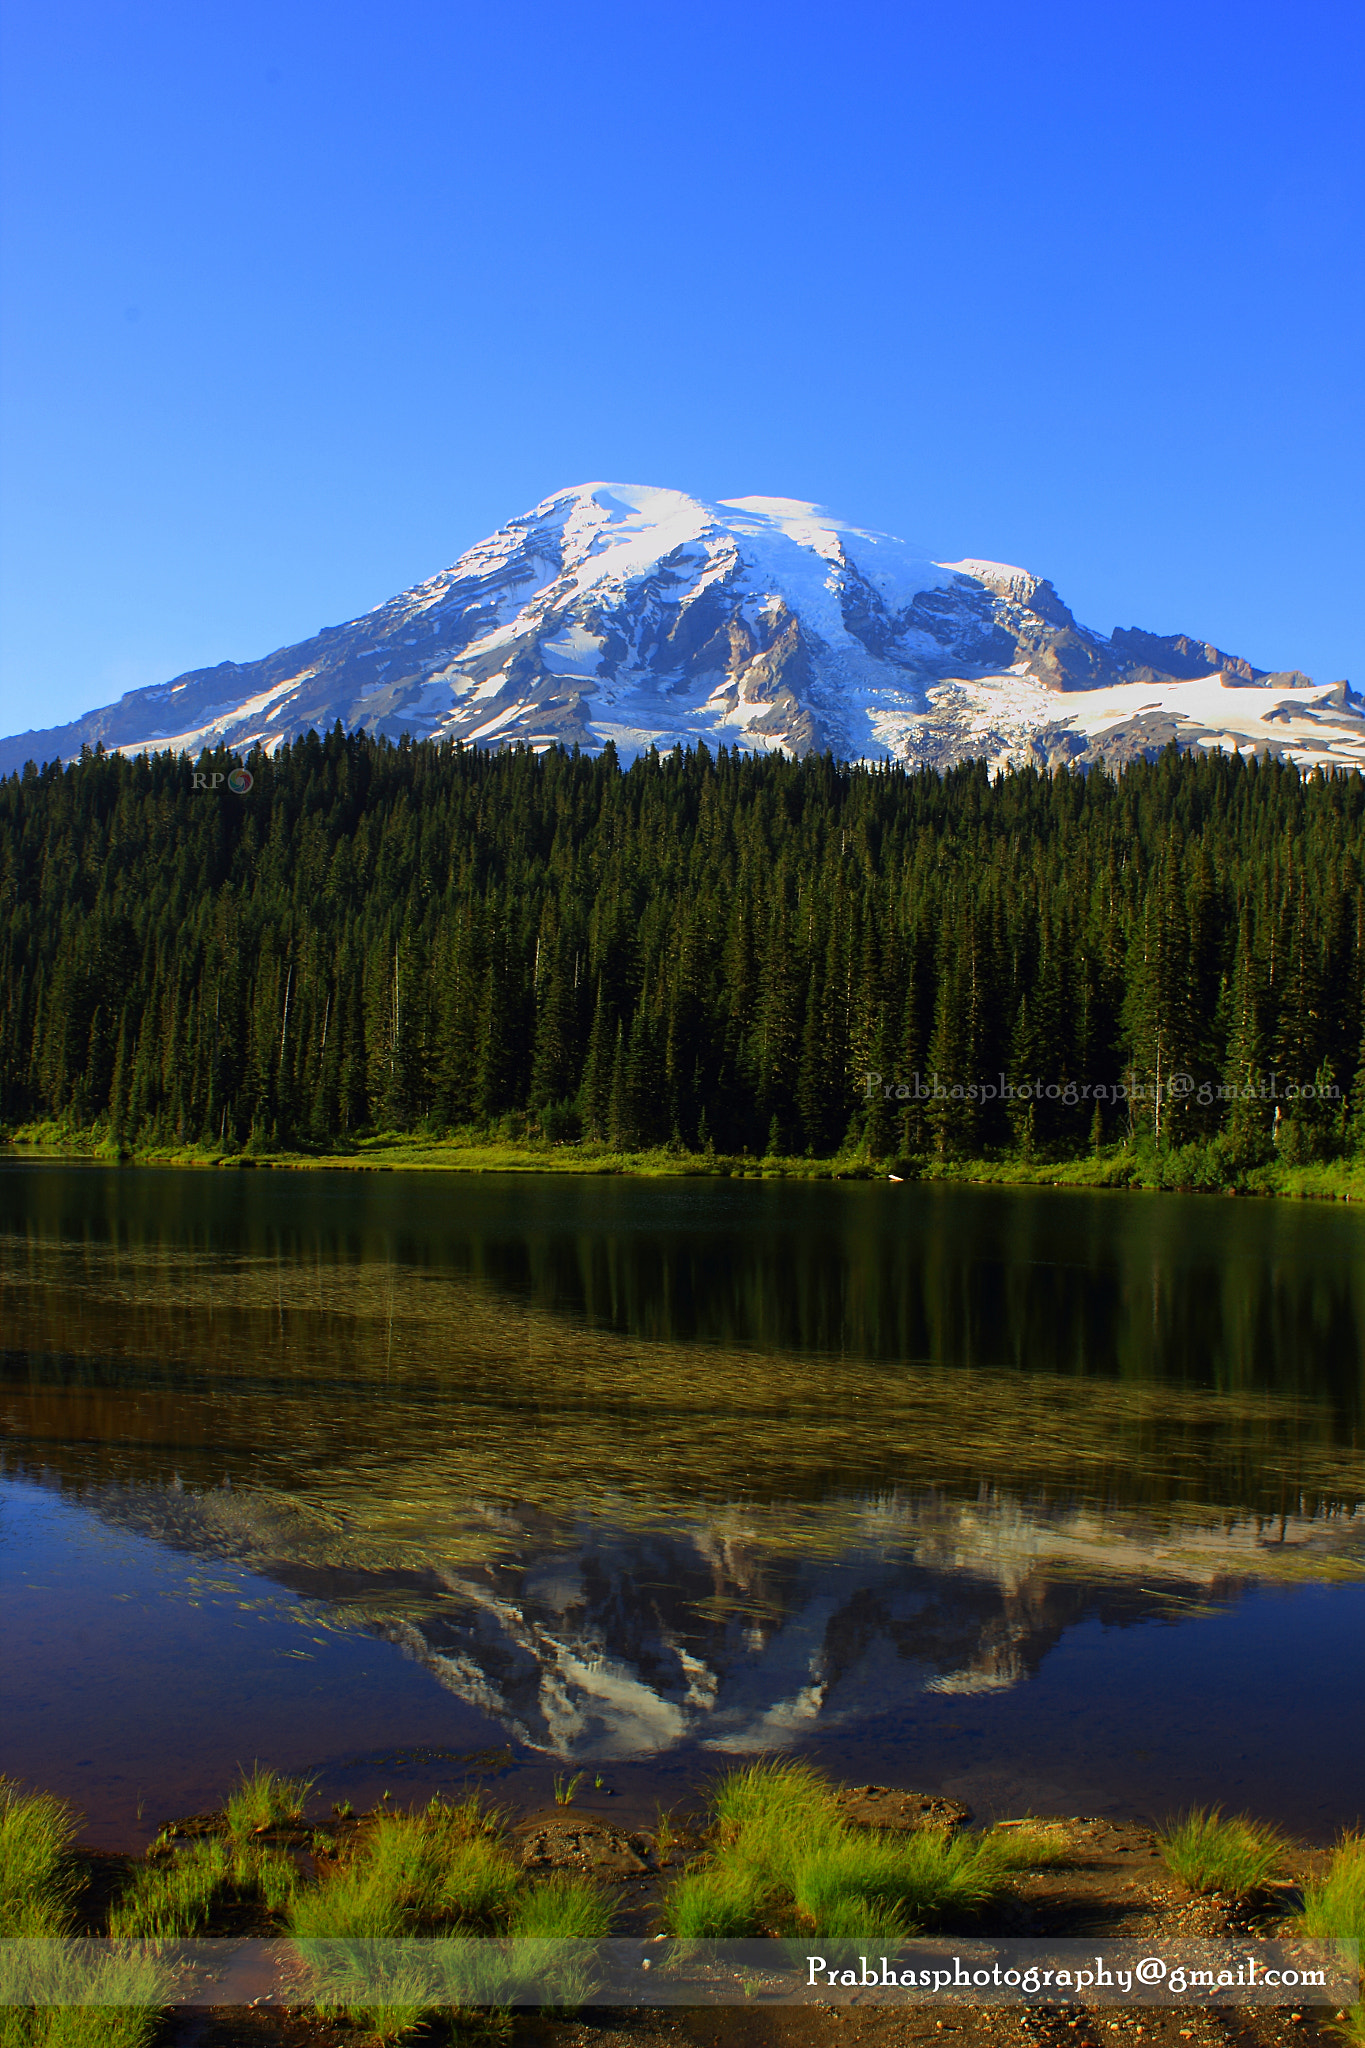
x=625, y=614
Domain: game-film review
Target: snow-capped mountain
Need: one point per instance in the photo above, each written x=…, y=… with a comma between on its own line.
x=628, y=614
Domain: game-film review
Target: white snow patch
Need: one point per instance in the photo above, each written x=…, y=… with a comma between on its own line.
x=574, y=652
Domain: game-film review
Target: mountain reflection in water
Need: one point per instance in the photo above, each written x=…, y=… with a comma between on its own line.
x=630, y=1466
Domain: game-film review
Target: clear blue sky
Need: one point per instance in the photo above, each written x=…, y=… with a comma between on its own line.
x=301, y=299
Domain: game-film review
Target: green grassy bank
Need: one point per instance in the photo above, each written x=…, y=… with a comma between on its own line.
x=1210, y=1168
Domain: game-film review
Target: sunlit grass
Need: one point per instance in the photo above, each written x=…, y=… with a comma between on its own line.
x=37, y=1876
x=177, y=1896
x=442, y=1871
x=761, y=1794
x=265, y=1800
x=39, y=1880
x=1212, y=1854
x=1334, y=1910
x=561, y=1909
x=785, y=1861
x=131, y=1992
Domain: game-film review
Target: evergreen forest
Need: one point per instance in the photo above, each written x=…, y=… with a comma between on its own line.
x=714, y=953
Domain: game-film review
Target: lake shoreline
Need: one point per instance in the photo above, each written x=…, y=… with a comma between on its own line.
x=1134, y=1170
x=269, y=1873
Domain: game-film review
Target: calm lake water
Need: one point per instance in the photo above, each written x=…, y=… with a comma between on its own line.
x=1043, y=1499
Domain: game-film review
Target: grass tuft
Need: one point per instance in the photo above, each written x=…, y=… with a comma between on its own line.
x=785, y=1861
x=176, y=1898
x=1211, y=1854
x=562, y=1909
x=1334, y=1910
x=265, y=1800
x=127, y=1995
x=765, y=1793
x=722, y=1901
x=38, y=1878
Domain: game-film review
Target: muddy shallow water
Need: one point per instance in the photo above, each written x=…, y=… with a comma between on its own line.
x=1037, y=1498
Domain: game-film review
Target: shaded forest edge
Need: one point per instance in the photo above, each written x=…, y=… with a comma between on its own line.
x=427, y=955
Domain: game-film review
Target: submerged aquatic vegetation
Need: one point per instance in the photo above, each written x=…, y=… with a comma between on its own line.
x=1212, y=1854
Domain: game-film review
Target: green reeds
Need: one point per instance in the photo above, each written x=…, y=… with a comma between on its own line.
x=785, y=1861
x=442, y=1868
x=265, y=1800
x=722, y=1901
x=126, y=1993
x=38, y=1879
x=561, y=1909
x=442, y=1871
x=760, y=1794
x=177, y=1897
x=1334, y=1910
x=1212, y=1854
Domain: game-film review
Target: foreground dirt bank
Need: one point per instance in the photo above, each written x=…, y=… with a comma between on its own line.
x=1106, y=1881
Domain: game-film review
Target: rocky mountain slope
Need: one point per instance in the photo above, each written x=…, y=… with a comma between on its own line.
x=638, y=616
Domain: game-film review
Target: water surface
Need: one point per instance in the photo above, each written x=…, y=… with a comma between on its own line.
x=1038, y=1497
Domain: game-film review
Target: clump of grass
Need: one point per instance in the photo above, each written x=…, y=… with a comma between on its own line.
x=787, y=1862
x=561, y=1909
x=1334, y=1905
x=1028, y=1844
x=1334, y=1910
x=1212, y=1854
x=722, y=1901
x=177, y=1897
x=442, y=1871
x=565, y=1788
x=38, y=1879
x=665, y=1835
x=125, y=1994
x=763, y=1793
x=265, y=1800
x=407, y=2002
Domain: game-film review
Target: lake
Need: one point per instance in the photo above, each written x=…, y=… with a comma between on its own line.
x=1045, y=1499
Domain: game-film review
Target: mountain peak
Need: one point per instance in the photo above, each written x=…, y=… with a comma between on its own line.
x=642, y=616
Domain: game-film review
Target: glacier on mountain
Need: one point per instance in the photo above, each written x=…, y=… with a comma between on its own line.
x=641, y=617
